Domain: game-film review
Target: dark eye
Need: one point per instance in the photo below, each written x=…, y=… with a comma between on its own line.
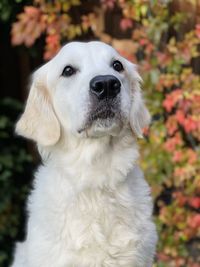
x=117, y=65
x=68, y=71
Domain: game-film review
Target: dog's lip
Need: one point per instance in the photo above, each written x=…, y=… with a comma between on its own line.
x=105, y=113
x=101, y=115
x=103, y=110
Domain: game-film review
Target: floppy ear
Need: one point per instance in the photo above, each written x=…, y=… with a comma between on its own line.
x=39, y=122
x=139, y=114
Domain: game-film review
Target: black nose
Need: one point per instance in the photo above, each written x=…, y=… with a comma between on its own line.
x=105, y=86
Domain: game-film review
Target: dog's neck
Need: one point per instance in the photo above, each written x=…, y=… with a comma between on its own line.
x=110, y=158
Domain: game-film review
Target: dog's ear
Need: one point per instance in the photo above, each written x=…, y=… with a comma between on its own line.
x=139, y=114
x=39, y=122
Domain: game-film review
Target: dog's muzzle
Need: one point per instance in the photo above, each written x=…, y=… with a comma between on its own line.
x=104, y=92
x=104, y=115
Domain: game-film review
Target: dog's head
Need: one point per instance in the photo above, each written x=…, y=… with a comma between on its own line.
x=87, y=90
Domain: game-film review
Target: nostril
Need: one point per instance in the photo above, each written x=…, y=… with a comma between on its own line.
x=98, y=87
x=116, y=85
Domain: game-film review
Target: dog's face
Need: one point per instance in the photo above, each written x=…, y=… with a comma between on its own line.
x=88, y=90
x=91, y=89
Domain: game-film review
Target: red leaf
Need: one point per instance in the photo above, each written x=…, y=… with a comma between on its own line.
x=180, y=116
x=172, y=99
x=189, y=125
x=126, y=23
x=172, y=142
x=178, y=156
x=143, y=41
x=180, y=198
x=192, y=156
x=197, y=30
x=194, y=202
x=194, y=221
x=171, y=125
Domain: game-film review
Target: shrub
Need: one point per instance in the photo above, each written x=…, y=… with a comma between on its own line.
x=15, y=166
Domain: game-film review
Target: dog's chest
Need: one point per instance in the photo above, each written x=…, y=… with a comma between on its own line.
x=100, y=226
x=98, y=218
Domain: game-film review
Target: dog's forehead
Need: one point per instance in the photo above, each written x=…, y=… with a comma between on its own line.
x=79, y=51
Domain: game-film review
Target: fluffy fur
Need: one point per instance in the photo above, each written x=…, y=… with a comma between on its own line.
x=90, y=206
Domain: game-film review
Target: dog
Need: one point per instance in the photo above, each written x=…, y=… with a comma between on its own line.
x=90, y=205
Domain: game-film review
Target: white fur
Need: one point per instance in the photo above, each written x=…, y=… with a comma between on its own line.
x=90, y=206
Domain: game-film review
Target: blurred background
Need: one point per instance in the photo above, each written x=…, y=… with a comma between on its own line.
x=163, y=38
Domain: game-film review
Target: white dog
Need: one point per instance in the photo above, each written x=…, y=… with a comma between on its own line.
x=90, y=206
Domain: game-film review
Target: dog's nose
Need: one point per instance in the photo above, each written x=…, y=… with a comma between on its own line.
x=105, y=86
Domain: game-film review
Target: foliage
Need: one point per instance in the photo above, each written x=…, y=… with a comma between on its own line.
x=8, y=8
x=49, y=18
x=14, y=166
x=166, y=49
x=173, y=90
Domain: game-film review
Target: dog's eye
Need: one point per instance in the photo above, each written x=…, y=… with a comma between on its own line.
x=117, y=65
x=68, y=71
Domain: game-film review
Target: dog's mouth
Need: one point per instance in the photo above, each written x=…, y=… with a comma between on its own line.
x=107, y=109
x=104, y=116
x=102, y=113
